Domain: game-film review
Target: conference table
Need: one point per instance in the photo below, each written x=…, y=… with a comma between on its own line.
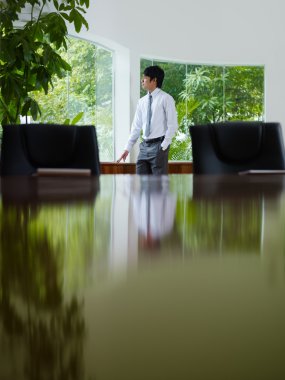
x=142, y=277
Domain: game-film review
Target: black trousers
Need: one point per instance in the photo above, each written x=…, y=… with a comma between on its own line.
x=152, y=159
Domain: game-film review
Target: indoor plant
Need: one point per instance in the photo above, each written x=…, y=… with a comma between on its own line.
x=29, y=48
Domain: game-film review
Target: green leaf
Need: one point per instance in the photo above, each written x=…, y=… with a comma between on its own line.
x=56, y=4
x=35, y=109
x=81, y=9
x=86, y=2
x=77, y=19
x=77, y=118
x=84, y=22
x=65, y=15
x=43, y=78
x=65, y=7
x=27, y=51
x=26, y=106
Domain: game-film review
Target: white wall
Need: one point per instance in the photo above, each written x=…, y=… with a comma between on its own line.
x=197, y=31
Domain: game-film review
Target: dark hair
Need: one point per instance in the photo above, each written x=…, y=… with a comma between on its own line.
x=155, y=72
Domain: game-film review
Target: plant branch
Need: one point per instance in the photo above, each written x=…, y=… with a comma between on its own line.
x=10, y=117
x=38, y=18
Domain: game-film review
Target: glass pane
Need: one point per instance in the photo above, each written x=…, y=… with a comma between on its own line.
x=203, y=91
x=75, y=92
x=81, y=83
x=143, y=65
x=207, y=94
x=175, y=73
x=88, y=89
x=244, y=92
x=104, y=103
x=174, y=76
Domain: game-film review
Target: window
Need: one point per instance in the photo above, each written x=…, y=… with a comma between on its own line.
x=87, y=90
x=206, y=94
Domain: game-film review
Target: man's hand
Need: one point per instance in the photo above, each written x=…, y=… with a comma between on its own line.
x=123, y=156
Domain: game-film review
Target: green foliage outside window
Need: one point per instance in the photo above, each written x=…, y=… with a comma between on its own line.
x=87, y=89
x=75, y=92
x=206, y=94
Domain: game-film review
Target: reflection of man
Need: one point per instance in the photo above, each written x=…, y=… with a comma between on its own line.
x=154, y=210
x=156, y=117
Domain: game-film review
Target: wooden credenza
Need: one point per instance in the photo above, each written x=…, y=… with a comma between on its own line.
x=127, y=168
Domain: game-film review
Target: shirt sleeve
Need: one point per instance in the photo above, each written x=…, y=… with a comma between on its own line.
x=171, y=121
x=136, y=128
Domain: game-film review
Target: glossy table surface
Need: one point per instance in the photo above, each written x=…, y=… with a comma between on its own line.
x=128, y=277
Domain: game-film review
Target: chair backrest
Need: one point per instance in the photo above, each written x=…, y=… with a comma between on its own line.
x=231, y=147
x=25, y=148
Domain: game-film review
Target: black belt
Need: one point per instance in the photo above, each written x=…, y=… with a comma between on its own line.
x=157, y=139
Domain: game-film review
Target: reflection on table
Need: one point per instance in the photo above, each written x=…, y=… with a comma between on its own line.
x=83, y=296
x=153, y=209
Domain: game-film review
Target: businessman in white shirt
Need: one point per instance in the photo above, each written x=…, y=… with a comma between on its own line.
x=157, y=118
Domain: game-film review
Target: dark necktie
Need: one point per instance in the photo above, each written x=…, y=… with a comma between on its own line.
x=148, y=118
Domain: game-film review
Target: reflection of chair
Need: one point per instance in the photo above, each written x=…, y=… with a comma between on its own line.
x=43, y=190
x=237, y=188
x=25, y=148
x=231, y=147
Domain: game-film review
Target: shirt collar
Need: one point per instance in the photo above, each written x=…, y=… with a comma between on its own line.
x=155, y=92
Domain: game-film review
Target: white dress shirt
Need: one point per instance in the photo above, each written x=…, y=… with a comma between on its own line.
x=163, y=119
x=154, y=213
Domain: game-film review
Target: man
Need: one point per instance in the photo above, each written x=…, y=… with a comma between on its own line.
x=156, y=117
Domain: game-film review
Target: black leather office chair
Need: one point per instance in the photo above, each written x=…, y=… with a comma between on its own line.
x=25, y=148
x=231, y=147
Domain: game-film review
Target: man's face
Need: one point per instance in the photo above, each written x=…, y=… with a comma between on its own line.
x=148, y=84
